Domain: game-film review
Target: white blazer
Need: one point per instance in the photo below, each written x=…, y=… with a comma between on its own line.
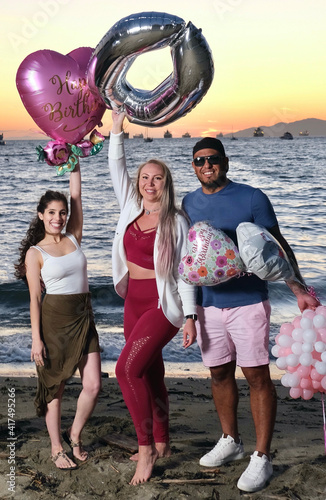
x=177, y=298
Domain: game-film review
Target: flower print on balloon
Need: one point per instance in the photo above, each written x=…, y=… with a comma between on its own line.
x=221, y=261
x=189, y=260
x=211, y=258
x=202, y=271
x=192, y=235
x=216, y=244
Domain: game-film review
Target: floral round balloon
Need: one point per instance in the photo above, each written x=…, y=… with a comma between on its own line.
x=211, y=258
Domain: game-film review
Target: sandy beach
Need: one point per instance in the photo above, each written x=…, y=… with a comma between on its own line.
x=298, y=447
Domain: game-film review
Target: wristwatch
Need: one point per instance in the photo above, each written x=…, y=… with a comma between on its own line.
x=192, y=316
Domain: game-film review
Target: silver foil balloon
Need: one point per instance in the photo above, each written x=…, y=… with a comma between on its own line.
x=134, y=35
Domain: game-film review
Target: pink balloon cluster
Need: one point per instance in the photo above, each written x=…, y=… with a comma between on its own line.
x=300, y=349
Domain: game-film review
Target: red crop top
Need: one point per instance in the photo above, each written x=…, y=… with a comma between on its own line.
x=139, y=245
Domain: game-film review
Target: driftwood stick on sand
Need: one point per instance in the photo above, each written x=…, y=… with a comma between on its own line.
x=203, y=480
x=121, y=441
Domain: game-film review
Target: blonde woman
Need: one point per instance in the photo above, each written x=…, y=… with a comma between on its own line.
x=150, y=240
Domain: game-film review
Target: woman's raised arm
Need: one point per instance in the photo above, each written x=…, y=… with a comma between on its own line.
x=75, y=222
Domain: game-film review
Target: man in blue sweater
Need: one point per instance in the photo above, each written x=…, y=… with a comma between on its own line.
x=234, y=316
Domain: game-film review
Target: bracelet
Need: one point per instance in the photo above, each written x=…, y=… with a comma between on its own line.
x=192, y=316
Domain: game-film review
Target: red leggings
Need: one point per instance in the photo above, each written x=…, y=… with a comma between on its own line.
x=140, y=368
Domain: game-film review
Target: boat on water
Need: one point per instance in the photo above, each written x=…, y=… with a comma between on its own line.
x=287, y=135
x=138, y=136
x=125, y=135
x=167, y=134
x=147, y=138
x=233, y=138
x=2, y=142
x=219, y=135
x=304, y=133
x=186, y=135
x=258, y=132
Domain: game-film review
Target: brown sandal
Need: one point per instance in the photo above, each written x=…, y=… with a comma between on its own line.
x=62, y=454
x=74, y=444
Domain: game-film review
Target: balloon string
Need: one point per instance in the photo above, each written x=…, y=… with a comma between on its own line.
x=323, y=405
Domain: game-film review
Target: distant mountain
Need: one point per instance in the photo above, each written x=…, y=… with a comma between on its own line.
x=314, y=126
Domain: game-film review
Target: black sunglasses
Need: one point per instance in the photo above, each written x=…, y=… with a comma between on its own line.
x=213, y=160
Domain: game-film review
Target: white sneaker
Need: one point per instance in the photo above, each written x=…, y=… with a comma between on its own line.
x=257, y=474
x=224, y=451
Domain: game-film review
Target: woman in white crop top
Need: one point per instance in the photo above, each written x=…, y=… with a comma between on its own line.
x=64, y=336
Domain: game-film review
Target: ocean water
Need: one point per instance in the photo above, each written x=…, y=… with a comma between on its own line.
x=291, y=173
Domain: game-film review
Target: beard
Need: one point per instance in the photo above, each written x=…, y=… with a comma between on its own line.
x=219, y=182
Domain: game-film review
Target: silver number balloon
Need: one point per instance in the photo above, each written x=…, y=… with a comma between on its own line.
x=192, y=75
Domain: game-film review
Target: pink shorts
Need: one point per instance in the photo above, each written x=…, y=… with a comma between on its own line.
x=237, y=333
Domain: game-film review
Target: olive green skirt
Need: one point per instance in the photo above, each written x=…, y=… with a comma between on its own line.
x=69, y=333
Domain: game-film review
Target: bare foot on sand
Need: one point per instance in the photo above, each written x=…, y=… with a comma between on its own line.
x=147, y=456
x=163, y=450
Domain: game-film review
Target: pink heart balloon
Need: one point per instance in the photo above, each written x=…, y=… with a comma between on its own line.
x=54, y=91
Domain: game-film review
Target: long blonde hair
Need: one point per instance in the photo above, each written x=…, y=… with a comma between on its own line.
x=167, y=223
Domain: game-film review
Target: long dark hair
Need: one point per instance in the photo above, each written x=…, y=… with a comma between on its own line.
x=36, y=232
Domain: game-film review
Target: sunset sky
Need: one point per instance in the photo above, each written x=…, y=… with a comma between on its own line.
x=269, y=57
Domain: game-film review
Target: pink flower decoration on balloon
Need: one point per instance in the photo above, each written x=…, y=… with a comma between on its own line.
x=216, y=244
x=192, y=235
x=56, y=153
x=85, y=148
x=221, y=261
x=189, y=260
x=193, y=276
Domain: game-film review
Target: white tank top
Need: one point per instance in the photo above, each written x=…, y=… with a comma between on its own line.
x=67, y=274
